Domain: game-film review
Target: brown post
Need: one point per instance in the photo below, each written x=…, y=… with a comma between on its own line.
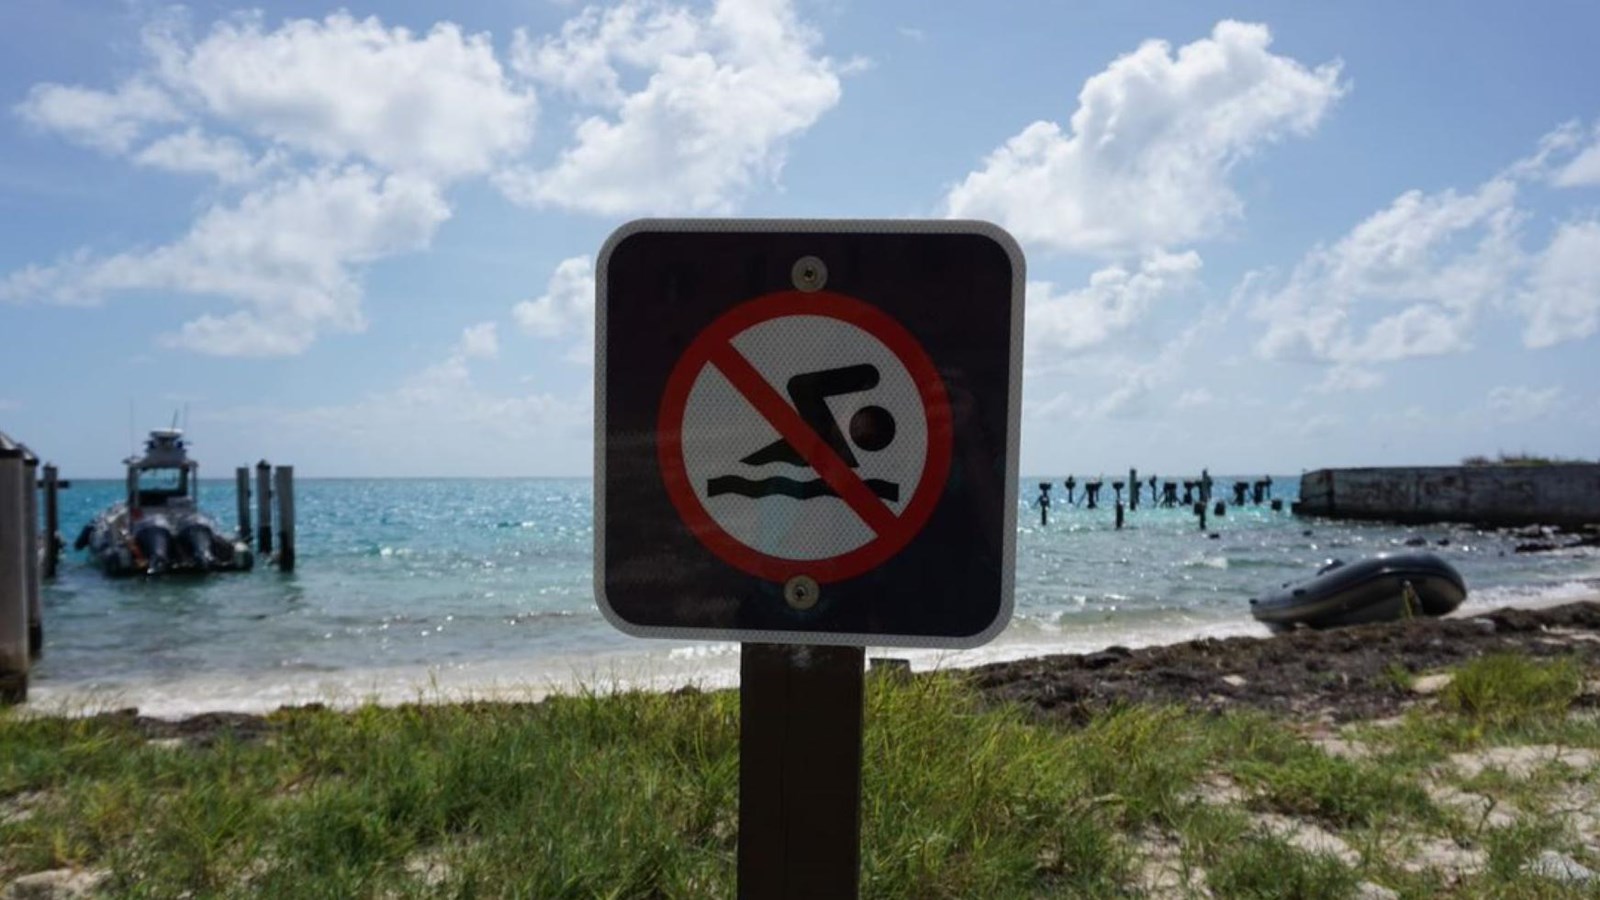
x=285, y=490
x=13, y=578
x=52, y=521
x=800, y=718
x=30, y=562
x=264, y=509
x=241, y=493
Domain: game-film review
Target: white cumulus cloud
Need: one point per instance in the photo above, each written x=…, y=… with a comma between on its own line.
x=1347, y=377
x=107, y=120
x=723, y=95
x=334, y=140
x=285, y=253
x=193, y=151
x=1562, y=296
x=1115, y=298
x=1408, y=281
x=1582, y=169
x=437, y=104
x=480, y=341
x=1145, y=159
x=566, y=307
x=1522, y=404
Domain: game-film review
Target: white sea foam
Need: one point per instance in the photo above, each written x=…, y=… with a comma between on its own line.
x=1528, y=596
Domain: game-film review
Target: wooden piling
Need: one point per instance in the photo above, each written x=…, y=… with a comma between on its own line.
x=285, y=491
x=1133, y=489
x=1119, y=516
x=264, y=509
x=52, y=521
x=241, y=493
x=13, y=583
x=30, y=560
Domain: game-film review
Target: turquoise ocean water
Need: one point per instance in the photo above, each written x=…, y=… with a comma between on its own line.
x=442, y=587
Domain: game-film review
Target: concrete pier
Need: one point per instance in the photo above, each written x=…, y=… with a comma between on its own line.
x=1487, y=495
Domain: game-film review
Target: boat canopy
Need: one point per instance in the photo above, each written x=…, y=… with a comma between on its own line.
x=164, y=473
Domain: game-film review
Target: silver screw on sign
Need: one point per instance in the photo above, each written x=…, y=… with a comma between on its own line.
x=801, y=592
x=809, y=274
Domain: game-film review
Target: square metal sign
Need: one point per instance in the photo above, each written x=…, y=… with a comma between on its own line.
x=806, y=431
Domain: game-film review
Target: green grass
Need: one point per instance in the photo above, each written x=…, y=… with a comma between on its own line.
x=1269, y=868
x=1509, y=689
x=636, y=795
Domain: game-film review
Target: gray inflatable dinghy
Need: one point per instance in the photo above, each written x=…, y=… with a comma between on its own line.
x=1382, y=589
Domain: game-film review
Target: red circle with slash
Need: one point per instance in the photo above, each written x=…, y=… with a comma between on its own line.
x=714, y=347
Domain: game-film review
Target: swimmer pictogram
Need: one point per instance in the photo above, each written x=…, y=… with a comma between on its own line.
x=871, y=429
x=783, y=468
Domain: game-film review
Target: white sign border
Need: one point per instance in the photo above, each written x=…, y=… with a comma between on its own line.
x=1013, y=425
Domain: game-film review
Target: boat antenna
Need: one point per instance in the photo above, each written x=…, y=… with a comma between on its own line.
x=174, y=420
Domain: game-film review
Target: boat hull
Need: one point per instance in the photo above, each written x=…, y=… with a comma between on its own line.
x=162, y=543
x=1372, y=590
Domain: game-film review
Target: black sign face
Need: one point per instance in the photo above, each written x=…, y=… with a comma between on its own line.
x=806, y=432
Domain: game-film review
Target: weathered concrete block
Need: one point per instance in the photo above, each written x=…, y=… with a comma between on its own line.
x=1490, y=495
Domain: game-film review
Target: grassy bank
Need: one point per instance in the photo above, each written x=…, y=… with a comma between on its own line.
x=635, y=795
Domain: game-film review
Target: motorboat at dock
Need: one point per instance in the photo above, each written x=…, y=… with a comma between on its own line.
x=159, y=528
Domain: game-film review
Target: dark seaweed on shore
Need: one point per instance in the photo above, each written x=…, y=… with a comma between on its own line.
x=1343, y=674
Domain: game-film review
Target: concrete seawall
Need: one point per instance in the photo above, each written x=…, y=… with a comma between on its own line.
x=1490, y=495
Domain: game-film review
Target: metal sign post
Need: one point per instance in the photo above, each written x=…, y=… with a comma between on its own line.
x=800, y=720
x=806, y=441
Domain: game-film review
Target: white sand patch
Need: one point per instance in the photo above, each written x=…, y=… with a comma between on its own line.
x=1307, y=836
x=1521, y=762
x=1446, y=857
x=1163, y=874
x=1477, y=809
x=1216, y=790
x=55, y=884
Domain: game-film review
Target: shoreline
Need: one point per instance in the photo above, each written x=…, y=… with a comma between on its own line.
x=1190, y=658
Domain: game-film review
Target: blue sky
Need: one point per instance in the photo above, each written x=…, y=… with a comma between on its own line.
x=1260, y=237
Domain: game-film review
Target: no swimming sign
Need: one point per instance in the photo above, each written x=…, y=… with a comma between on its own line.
x=806, y=431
